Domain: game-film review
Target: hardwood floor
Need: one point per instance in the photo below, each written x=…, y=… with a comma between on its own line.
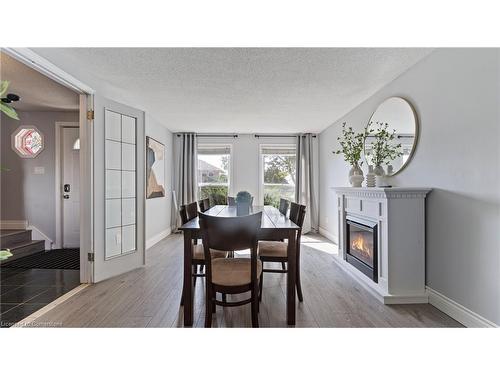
x=150, y=296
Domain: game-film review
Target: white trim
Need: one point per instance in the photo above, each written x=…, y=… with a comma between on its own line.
x=58, y=176
x=329, y=235
x=376, y=291
x=150, y=242
x=37, y=234
x=13, y=224
x=457, y=311
x=44, y=66
x=28, y=321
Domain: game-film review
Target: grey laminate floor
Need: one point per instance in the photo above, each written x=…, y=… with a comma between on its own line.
x=149, y=297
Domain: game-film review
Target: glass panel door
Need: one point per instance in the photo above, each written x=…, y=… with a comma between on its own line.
x=120, y=183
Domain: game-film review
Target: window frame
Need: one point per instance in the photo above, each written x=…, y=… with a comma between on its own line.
x=261, y=164
x=230, y=167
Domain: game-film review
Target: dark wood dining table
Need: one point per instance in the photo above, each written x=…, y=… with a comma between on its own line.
x=274, y=226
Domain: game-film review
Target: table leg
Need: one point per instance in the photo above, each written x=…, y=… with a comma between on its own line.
x=187, y=289
x=291, y=279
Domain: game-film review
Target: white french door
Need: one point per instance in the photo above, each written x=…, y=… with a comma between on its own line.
x=119, y=188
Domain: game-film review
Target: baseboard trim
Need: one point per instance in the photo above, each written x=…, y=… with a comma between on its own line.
x=457, y=311
x=157, y=238
x=329, y=235
x=13, y=224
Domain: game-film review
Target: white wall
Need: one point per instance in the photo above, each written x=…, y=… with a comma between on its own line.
x=158, y=210
x=245, y=160
x=456, y=95
x=26, y=195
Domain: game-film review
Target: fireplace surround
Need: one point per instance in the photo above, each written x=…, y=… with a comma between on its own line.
x=393, y=269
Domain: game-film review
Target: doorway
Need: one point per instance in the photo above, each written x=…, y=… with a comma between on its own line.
x=45, y=259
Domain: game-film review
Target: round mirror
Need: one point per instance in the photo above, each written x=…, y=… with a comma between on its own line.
x=398, y=119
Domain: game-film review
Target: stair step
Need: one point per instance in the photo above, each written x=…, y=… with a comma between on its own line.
x=11, y=238
x=24, y=249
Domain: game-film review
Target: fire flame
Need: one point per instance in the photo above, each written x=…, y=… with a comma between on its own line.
x=360, y=244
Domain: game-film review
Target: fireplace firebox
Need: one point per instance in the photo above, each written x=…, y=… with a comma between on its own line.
x=361, y=246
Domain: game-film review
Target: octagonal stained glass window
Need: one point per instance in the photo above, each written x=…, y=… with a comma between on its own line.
x=27, y=141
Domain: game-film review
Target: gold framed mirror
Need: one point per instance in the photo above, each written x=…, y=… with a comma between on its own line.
x=401, y=118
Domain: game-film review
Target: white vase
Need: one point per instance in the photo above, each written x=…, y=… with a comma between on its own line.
x=356, y=176
x=380, y=176
x=370, y=177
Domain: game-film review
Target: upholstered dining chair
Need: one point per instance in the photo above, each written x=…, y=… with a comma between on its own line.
x=231, y=201
x=284, y=204
x=187, y=213
x=204, y=204
x=277, y=251
x=231, y=275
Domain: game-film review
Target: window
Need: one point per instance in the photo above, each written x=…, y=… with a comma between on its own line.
x=278, y=164
x=214, y=172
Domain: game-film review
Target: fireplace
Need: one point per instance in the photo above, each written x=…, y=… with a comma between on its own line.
x=361, y=246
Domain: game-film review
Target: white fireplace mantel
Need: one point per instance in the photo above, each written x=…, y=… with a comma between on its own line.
x=400, y=217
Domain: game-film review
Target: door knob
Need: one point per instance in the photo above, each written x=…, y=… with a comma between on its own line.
x=66, y=196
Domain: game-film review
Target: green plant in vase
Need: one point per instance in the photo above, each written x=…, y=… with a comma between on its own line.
x=384, y=147
x=7, y=109
x=351, y=146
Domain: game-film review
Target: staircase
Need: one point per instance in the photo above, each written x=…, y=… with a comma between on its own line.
x=20, y=243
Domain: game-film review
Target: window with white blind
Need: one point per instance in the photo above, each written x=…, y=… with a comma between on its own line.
x=278, y=164
x=214, y=175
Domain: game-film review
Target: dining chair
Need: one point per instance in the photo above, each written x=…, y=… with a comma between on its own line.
x=204, y=204
x=277, y=251
x=231, y=201
x=284, y=204
x=189, y=212
x=231, y=275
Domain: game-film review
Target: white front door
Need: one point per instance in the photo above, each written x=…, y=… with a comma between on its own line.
x=119, y=188
x=70, y=187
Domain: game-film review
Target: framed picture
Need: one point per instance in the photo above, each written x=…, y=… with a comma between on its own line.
x=155, y=168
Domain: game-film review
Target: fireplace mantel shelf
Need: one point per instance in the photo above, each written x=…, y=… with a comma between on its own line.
x=399, y=213
x=392, y=192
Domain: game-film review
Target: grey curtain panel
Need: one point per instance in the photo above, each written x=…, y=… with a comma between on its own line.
x=185, y=172
x=306, y=185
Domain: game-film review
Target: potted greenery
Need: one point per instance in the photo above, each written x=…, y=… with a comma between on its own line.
x=383, y=148
x=243, y=203
x=5, y=254
x=351, y=146
x=6, y=108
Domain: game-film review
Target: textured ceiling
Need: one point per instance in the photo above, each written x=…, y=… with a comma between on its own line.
x=37, y=92
x=245, y=90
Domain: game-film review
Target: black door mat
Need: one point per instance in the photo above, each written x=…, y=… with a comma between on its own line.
x=63, y=259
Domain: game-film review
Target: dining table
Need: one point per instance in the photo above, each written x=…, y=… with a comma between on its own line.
x=274, y=226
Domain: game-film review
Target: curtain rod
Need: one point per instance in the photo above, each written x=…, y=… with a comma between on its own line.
x=214, y=135
x=279, y=136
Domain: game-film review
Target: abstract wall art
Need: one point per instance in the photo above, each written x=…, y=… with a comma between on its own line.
x=155, y=169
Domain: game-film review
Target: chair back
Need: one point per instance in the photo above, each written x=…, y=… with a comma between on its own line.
x=204, y=204
x=284, y=204
x=230, y=234
x=231, y=201
x=297, y=213
x=188, y=212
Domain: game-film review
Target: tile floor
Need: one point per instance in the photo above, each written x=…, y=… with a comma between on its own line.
x=24, y=291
